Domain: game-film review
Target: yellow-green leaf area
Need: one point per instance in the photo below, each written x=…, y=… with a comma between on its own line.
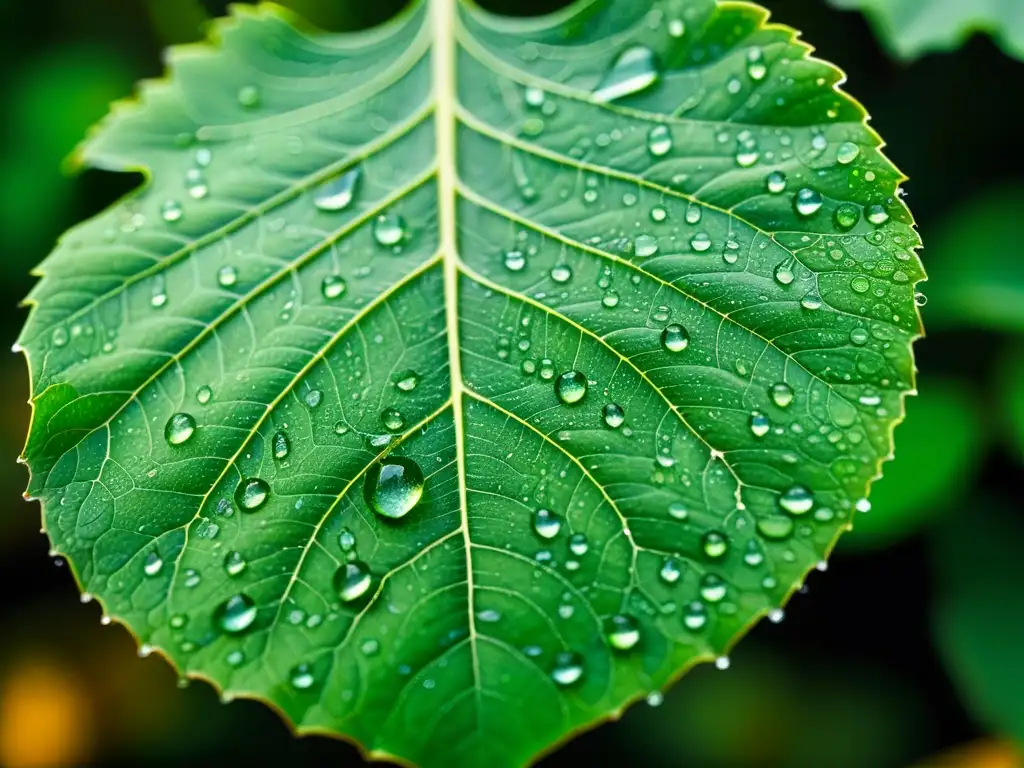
x=453, y=385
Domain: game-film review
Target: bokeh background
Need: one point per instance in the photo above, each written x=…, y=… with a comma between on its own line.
x=908, y=652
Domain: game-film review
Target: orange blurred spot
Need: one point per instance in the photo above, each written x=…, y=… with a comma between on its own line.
x=44, y=718
x=989, y=753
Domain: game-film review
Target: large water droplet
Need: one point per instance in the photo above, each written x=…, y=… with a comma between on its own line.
x=568, y=668
x=700, y=242
x=782, y=394
x=776, y=182
x=352, y=580
x=633, y=70
x=623, y=632
x=759, y=424
x=712, y=588
x=546, y=523
x=561, y=273
x=389, y=229
x=252, y=494
x=714, y=544
x=847, y=153
x=675, y=338
x=877, y=215
x=179, y=428
x=797, y=500
x=670, y=570
x=775, y=527
x=393, y=486
x=337, y=194
x=847, y=215
x=236, y=614
x=659, y=140
x=578, y=544
x=784, y=272
x=808, y=202
x=571, y=386
x=645, y=245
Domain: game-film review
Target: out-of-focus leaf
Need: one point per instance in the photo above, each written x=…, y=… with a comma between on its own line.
x=910, y=28
x=1011, y=385
x=178, y=21
x=452, y=385
x=976, y=272
x=940, y=448
x=987, y=753
x=979, y=622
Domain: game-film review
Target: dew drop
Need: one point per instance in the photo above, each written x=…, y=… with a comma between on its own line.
x=280, y=445
x=227, y=276
x=515, y=261
x=546, y=523
x=313, y=397
x=808, y=202
x=675, y=338
x=153, y=564
x=784, y=272
x=670, y=571
x=561, y=273
x=236, y=614
x=700, y=242
x=755, y=64
x=195, y=184
x=877, y=215
x=352, y=580
x=392, y=420
x=346, y=540
x=776, y=182
x=568, y=668
x=645, y=245
x=338, y=193
x=847, y=153
x=782, y=394
x=204, y=394
x=678, y=510
x=712, y=588
x=249, y=96
x=659, y=141
x=658, y=214
x=633, y=71
x=301, y=677
x=570, y=387
x=171, y=211
x=775, y=527
x=333, y=287
x=406, y=380
x=252, y=494
x=714, y=544
x=759, y=424
x=578, y=544
x=797, y=500
x=393, y=486
x=389, y=229
x=623, y=632
x=613, y=414
x=234, y=563
x=179, y=428
x=846, y=216
x=695, y=616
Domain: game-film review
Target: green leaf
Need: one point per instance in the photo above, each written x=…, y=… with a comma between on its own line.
x=1011, y=384
x=910, y=28
x=941, y=445
x=635, y=297
x=978, y=630
x=976, y=277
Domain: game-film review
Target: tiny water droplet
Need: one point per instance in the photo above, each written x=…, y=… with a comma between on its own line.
x=179, y=428
x=571, y=386
x=393, y=486
x=352, y=580
x=252, y=494
x=546, y=523
x=675, y=338
x=632, y=71
x=236, y=614
x=338, y=193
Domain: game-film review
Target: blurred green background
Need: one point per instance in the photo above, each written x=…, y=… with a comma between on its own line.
x=908, y=652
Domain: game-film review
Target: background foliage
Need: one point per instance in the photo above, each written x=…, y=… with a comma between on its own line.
x=908, y=647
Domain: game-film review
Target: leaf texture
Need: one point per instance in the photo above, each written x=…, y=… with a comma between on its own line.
x=630, y=286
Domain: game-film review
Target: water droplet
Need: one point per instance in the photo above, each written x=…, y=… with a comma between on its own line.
x=782, y=394
x=722, y=663
x=920, y=299
x=695, y=616
x=847, y=153
x=192, y=578
x=808, y=202
x=252, y=494
x=338, y=193
x=389, y=229
x=658, y=214
x=236, y=614
x=333, y=287
x=759, y=424
x=204, y=394
x=313, y=397
x=700, y=242
x=784, y=272
x=561, y=273
x=633, y=71
x=195, y=184
x=655, y=699
x=714, y=544
x=846, y=216
x=249, y=96
x=675, y=338
x=234, y=563
x=578, y=544
x=546, y=523
x=179, y=428
x=670, y=571
x=369, y=647
x=280, y=445
x=235, y=659
x=755, y=64
x=659, y=140
x=514, y=261
x=645, y=245
x=676, y=27
x=571, y=386
x=393, y=486
x=171, y=211
x=158, y=298
x=775, y=527
x=776, y=182
x=678, y=510
x=623, y=632
x=876, y=215
x=568, y=668
x=859, y=337
x=153, y=564
x=227, y=276
x=352, y=580
x=797, y=500
x=301, y=677
x=534, y=97
x=392, y=420
x=613, y=414
x=860, y=284
x=712, y=588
